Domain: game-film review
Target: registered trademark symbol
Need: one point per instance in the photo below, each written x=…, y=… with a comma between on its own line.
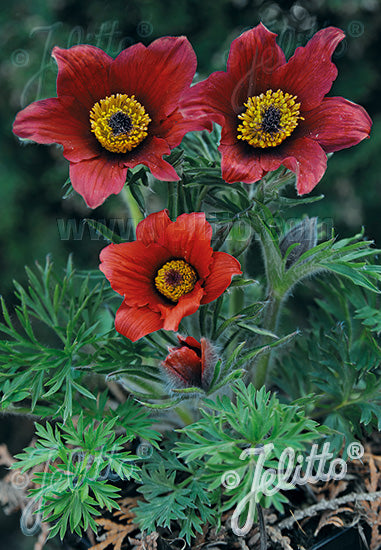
x=144, y=450
x=144, y=29
x=20, y=58
x=355, y=29
x=355, y=450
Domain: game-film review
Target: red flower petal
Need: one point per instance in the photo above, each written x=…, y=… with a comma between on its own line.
x=150, y=154
x=239, y=163
x=83, y=73
x=208, y=101
x=337, y=123
x=253, y=58
x=190, y=342
x=152, y=228
x=153, y=74
x=134, y=323
x=157, y=76
x=307, y=159
x=173, y=129
x=98, y=178
x=58, y=121
x=187, y=305
x=222, y=270
x=184, y=365
x=310, y=72
x=189, y=238
x=130, y=268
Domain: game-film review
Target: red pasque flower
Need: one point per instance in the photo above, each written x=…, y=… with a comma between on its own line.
x=274, y=112
x=191, y=363
x=112, y=114
x=166, y=273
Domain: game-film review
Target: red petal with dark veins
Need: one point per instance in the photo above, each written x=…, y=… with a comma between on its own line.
x=173, y=129
x=150, y=154
x=310, y=72
x=189, y=238
x=229, y=135
x=187, y=305
x=222, y=270
x=83, y=73
x=157, y=75
x=237, y=164
x=152, y=228
x=58, y=121
x=96, y=179
x=183, y=365
x=303, y=156
x=134, y=323
x=208, y=101
x=131, y=269
x=253, y=58
x=337, y=123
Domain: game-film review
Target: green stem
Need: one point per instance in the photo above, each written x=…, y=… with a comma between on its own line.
x=236, y=301
x=276, y=293
x=133, y=209
x=172, y=199
x=346, y=403
x=185, y=415
x=270, y=322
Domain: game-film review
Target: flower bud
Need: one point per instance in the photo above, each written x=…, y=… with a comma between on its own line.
x=191, y=363
x=305, y=234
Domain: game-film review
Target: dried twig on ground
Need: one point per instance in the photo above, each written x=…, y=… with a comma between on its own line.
x=372, y=509
x=276, y=536
x=115, y=534
x=327, y=505
x=6, y=459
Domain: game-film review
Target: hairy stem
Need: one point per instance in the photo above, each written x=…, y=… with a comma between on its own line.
x=270, y=322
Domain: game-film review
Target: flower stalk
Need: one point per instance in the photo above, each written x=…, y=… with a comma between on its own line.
x=270, y=323
x=134, y=213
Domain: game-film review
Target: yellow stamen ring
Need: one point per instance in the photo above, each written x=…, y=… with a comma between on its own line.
x=269, y=118
x=175, y=278
x=119, y=123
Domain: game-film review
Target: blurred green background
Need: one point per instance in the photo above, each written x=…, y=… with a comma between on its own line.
x=34, y=216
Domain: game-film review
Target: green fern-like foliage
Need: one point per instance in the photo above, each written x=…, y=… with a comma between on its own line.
x=77, y=461
x=62, y=335
x=337, y=362
x=175, y=492
x=188, y=484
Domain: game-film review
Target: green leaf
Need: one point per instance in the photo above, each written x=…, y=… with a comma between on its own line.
x=352, y=272
x=103, y=230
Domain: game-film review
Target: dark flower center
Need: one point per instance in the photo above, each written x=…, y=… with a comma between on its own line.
x=120, y=123
x=173, y=278
x=271, y=120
